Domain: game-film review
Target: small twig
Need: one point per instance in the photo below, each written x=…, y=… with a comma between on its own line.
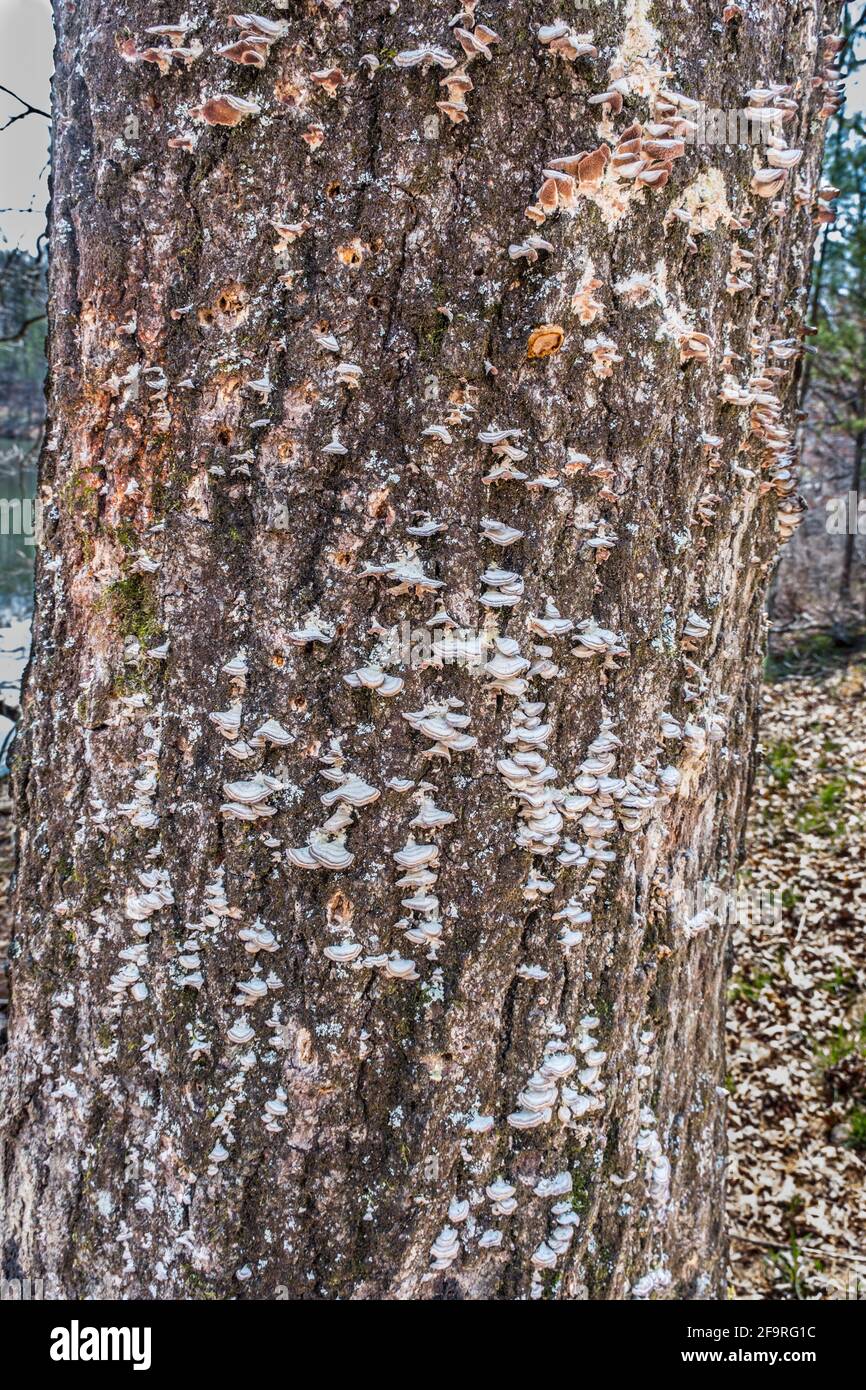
x=804, y=1249
x=28, y=109
x=17, y=336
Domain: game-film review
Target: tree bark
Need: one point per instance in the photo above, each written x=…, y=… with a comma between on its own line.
x=168, y=1133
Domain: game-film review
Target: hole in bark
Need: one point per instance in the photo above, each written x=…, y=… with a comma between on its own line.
x=287, y=93
x=351, y=254
x=379, y=506
x=340, y=909
x=229, y=306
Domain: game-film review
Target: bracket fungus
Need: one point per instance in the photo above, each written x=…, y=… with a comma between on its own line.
x=457, y=86
x=426, y=56
x=499, y=533
x=375, y=679
x=545, y=340
x=563, y=41
x=477, y=42
x=250, y=50
x=260, y=26
x=288, y=232
x=604, y=353
x=330, y=79
x=225, y=110
x=162, y=56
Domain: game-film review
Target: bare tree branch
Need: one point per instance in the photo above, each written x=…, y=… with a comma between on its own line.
x=19, y=334
x=28, y=109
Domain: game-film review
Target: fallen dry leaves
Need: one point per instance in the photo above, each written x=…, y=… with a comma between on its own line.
x=796, y=1032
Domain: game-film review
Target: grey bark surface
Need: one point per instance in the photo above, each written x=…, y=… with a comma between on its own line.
x=138, y=1156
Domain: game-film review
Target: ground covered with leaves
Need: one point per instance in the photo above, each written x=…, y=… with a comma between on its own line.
x=797, y=1015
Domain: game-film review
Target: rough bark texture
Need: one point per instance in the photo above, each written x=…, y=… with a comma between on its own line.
x=138, y=1156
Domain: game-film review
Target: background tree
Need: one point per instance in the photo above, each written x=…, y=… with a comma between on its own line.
x=22, y=344
x=819, y=579
x=838, y=378
x=419, y=448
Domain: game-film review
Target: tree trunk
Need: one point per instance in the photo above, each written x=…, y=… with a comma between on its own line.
x=270, y=1052
x=851, y=534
